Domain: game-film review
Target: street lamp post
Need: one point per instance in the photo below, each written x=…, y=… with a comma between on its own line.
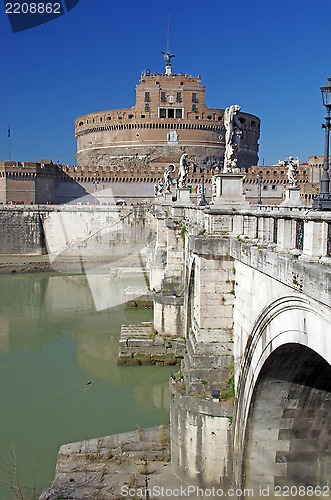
x=323, y=200
x=95, y=181
x=203, y=201
x=259, y=187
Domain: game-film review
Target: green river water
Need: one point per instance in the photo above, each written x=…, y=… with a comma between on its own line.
x=59, y=381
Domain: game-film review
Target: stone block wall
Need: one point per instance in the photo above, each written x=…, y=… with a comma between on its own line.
x=200, y=440
x=21, y=232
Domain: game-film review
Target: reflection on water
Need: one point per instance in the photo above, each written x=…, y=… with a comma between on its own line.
x=59, y=377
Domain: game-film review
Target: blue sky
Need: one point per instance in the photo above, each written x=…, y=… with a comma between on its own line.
x=269, y=57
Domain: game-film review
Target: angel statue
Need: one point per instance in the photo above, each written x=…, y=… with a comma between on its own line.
x=183, y=170
x=167, y=57
x=168, y=180
x=158, y=188
x=292, y=166
x=233, y=132
x=292, y=171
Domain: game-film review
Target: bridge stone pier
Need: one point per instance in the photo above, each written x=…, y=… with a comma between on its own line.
x=249, y=290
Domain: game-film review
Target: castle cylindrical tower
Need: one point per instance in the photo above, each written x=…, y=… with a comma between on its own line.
x=169, y=118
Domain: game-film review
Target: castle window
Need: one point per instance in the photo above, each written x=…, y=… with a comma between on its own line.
x=274, y=187
x=142, y=116
x=147, y=106
x=179, y=97
x=81, y=123
x=209, y=117
x=170, y=112
x=242, y=120
x=130, y=116
x=194, y=97
x=147, y=97
x=194, y=108
x=253, y=123
x=163, y=97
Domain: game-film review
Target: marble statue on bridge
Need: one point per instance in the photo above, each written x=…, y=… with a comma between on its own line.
x=158, y=188
x=168, y=180
x=233, y=133
x=292, y=166
x=183, y=170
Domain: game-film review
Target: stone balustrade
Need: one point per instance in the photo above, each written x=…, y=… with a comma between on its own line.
x=304, y=232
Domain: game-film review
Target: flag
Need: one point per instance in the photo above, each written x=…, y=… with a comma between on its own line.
x=8, y=132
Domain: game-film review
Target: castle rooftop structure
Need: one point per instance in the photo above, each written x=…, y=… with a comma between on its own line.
x=169, y=118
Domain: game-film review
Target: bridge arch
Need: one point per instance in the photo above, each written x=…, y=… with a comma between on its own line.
x=290, y=340
x=288, y=433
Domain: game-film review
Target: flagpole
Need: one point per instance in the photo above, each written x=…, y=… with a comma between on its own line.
x=9, y=142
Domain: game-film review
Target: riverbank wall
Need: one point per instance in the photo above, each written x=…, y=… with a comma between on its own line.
x=66, y=231
x=22, y=231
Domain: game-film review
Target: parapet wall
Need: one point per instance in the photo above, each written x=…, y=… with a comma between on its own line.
x=72, y=230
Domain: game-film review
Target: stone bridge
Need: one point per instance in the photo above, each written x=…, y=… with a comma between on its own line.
x=249, y=289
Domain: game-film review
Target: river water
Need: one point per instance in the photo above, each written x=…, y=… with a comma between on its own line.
x=59, y=381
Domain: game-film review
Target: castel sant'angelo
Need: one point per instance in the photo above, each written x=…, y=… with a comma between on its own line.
x=124, y=153
x=170, y=118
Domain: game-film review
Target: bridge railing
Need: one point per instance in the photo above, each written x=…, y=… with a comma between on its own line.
x=302, y=232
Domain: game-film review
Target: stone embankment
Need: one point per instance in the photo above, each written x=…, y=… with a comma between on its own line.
x=109, y=466
x=24, y=263
x=142, y=345
x=133, y=465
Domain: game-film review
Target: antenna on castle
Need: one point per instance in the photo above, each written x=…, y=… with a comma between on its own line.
x=9, y=134
x=168, y=33
x=167, y=55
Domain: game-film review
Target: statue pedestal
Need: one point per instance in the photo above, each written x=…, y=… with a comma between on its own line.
x=228, y=190
x=164, y=199
x=183, y=195
x=292, y=197
x=168, y=196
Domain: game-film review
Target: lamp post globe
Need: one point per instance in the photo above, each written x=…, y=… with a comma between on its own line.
x=326, y=93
